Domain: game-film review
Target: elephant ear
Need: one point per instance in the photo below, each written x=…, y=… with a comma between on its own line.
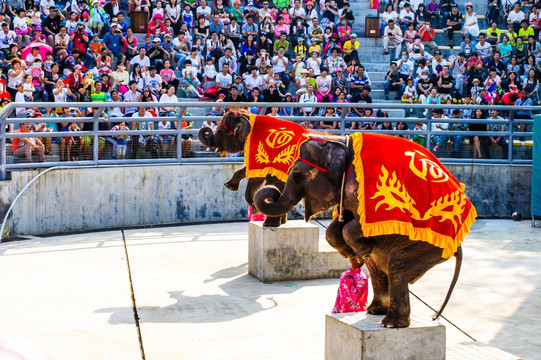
x=335, y=162
x=242, y=126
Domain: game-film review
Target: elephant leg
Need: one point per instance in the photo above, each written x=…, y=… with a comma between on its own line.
x=234, y=182
x=354, y=237
x=273, y=221
x=251, y=188
x=380, y=286
x=283, y=219
x=334, y=237
x=406, y=265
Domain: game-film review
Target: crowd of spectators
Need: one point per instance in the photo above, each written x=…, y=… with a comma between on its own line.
x=255, y=51
x=499, y=63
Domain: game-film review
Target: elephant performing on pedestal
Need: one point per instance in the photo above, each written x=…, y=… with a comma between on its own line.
x=401, y=211
x=270, y=147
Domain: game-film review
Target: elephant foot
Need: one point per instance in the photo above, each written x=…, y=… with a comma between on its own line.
x=391, y=321
x=377, y=308
x=233, y=186
x=272, y=221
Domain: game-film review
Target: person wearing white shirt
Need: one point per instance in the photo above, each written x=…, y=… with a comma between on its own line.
x=515, y=17
x=169, y=97
x=204, y=10
x=189, y=75
x=45, y=6
x=308, y=98
x=142, y=60
x=253, y=80
x=224, y=79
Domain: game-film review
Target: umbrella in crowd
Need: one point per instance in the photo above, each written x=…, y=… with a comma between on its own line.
x=43, y=49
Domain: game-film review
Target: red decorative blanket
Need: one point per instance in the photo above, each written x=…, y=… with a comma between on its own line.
x=408, y=191
x=272, y=146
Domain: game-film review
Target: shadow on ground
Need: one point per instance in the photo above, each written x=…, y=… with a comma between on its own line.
x=244, y=296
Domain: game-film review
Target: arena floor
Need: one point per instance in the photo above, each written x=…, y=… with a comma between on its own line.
x=71, y=295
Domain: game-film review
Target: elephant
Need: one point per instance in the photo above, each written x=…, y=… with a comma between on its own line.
x=231, y=136
x=324, y=177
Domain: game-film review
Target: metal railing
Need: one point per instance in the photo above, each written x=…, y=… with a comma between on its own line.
x=100, y=117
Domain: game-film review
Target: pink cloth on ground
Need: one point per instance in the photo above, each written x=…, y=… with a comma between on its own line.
x=352, y=292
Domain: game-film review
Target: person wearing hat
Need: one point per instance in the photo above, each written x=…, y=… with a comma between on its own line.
x=114, y=42
x=314, y=61
x=157, y=54
x=454, y=23
x=334, y=61
x=300, y=49
x=350, y=49
x=156, y=26
x=331, y=44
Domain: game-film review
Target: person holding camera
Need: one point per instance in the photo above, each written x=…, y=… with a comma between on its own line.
x=428, y=35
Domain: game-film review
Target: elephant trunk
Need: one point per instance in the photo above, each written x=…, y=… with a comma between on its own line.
x=206, y=137
x=271, y=202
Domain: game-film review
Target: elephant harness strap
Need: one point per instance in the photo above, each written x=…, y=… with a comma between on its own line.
x=344, y=175
x=225, y=127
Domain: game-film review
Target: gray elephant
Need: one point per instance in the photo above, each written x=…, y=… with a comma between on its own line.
x=271, y=146
x=401, y=211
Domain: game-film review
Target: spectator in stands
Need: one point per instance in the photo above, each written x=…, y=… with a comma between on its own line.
x=393, y=82
x=26, y=147
x=515, y=17
x=428, y=35
x=454, y=23
x=458, y=66
x=433, y=12
x=470, y=22
x=392, y=35
x=388, y=14
x=484, y=50
x=406, y=17
x=494, y=34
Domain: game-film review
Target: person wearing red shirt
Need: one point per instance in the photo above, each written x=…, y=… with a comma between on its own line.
x=75, y=81
x=155, y=26
x=427, y=37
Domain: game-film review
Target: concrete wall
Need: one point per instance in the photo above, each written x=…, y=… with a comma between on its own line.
x=88, y=199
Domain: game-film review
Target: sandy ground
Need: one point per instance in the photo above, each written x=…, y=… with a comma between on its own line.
x=71, y=295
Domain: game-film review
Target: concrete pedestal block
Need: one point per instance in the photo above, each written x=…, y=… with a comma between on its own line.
x=360, y=336
x=290, y=252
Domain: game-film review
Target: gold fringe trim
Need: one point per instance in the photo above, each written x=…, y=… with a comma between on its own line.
x=389, y=227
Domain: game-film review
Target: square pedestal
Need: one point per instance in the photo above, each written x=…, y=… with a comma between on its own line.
x=290, y=252
x=360, y=336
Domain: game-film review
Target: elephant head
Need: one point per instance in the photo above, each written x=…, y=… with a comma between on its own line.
x=230, y=135
x=319, y=185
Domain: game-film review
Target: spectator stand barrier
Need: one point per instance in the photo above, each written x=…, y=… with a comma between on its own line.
x=536, y=171
x=514, y=138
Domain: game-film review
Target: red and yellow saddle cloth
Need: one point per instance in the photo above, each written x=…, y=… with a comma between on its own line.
x=272, y=146
x=408, y=191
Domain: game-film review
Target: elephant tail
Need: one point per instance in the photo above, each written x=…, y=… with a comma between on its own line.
x=458, y=256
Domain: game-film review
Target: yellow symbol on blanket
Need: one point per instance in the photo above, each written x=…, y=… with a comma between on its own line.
x=262, y=156
x=428, y=166
x=279, y=137
x=395, y=195
x=285, y=156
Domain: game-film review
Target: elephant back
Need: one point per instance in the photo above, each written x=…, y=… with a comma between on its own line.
x=405, y=189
